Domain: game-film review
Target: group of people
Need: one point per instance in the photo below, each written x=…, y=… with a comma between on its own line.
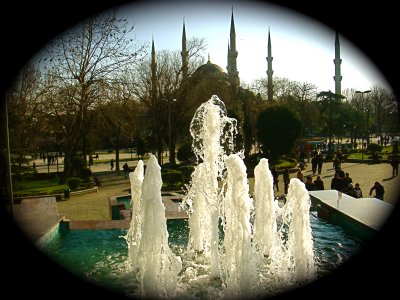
x=126, y=170
x=344, y=183
x=125, y=167
x=341, y=182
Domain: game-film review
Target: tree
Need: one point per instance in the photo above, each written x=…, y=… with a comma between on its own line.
x=277, y=130
x=330, y=103
x=283, y=88
x=383, y=103
x=80, y=63
x=25, y=110
x=169, y=85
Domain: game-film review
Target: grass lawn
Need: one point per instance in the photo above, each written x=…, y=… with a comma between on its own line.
x=385, y=153
x=38, y=187
x=102, y=161
x=282, y=164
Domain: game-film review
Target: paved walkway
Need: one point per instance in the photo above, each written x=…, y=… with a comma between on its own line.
x=362, y=173
x=95, y=206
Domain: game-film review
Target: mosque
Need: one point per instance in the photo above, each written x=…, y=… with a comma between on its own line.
x=210, y=79
x=231, y=77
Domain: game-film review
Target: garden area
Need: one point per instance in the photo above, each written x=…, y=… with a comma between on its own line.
x=374, y=152
x=28, y=182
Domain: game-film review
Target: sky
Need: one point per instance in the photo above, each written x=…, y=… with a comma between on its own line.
x=302, y=48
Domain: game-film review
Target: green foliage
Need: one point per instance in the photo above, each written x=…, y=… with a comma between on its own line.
x=185, y=154
x=251, y=162
x=38, y=187
x=186, y=172
x=74, y=182
x=277, y=130
x=282, y=164
x=77, y=162
x=85, y=173
x=140, y=146
x=374, y=148
x=172, y=177
x=21, y=160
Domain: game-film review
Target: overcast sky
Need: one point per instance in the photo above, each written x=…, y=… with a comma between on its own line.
x=302, y=48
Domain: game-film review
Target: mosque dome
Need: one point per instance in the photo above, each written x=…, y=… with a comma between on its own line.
x=209, y=70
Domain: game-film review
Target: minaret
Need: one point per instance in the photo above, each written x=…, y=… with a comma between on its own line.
x=153, y=73
x=184, y=55
x=233, y=73
x=337, y=61
x=270, y=71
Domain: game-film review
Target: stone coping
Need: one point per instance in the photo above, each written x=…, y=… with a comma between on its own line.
x=58, y=197
x=370, y=212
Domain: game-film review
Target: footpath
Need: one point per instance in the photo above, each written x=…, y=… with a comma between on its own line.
x=95, y=205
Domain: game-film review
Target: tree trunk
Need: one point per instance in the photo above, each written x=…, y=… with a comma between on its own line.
x=70, y=153
x=172, y=155
x=117, y=158
x=159, y=148
x=84, y=150
x=67, y=166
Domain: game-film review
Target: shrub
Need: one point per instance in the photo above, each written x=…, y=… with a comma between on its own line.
x=21, y=160
x=85, y=173
x=74, y=182
x=185, y=154
x=186, y=172
x=171, y=177
x=374, y=148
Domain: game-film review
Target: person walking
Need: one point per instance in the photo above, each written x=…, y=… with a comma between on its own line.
x=275, y=176
x=379, y=190
x=126, y=169
x=314, y=164
x=286, y=180
x=112, y=164
x=394, y=162
x=337, y=183
x=320, y=161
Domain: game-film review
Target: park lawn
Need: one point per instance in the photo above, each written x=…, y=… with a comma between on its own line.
x=282, y=164
x=38, y=187
x=385, y=153
x=102, y=161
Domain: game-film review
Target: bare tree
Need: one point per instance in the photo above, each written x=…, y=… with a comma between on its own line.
x=170, y=85
x=81, y=63
x=24, y=108
x=382, y=102
x=118, y=117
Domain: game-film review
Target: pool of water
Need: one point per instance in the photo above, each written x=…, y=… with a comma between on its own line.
x=126, y=200
x=100, y=256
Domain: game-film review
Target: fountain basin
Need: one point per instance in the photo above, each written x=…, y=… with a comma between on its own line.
x=100, y=256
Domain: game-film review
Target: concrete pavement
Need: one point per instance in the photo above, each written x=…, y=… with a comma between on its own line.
x=362, y=173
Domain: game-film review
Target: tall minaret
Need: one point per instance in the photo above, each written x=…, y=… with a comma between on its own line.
x=184, y=54
x=233, y=73
x=270, y=71
x=337, y=61
x=153, y=72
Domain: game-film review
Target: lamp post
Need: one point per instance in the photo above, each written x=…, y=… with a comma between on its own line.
x=169, y=124
x=362, y=140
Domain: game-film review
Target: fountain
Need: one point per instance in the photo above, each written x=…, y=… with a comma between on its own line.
x=157, y=267
x=238, y=246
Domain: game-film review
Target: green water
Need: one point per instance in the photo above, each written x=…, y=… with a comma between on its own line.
x=100, y=256
x=126, y=200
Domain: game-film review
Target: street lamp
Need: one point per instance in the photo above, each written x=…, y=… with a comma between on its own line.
x=362, y=140
x=169, y=125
